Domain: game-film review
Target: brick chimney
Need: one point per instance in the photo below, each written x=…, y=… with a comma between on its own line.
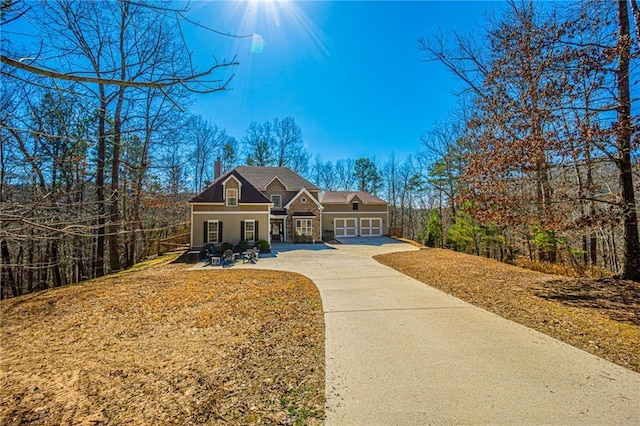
x=217, y=168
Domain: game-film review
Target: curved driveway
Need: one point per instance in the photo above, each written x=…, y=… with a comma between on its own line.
x=401, y=352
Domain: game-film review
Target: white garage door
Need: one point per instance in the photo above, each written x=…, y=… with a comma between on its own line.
x=370, y=227
x=344, y=227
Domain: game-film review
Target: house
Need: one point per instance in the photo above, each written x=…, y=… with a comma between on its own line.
x=252, y=203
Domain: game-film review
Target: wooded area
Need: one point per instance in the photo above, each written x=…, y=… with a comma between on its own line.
x=546, y=161
x=92, y=129
x=541, y=158
x=100, y=154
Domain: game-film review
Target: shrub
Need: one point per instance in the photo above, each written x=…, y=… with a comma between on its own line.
x=207, y=248
x=264, y=245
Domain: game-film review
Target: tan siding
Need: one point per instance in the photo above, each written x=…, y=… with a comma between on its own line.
x=276, y=187
x=230, y=226
x=223, y=208
x=361, y=208
x=231, y=184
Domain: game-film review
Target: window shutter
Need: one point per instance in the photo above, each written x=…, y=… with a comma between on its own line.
x=220, y=239
x=205, y=238
x=256, y=236
x=242, y=230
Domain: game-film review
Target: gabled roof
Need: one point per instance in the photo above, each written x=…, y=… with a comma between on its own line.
x=303, y=191
x=261, y=176
x=346, y=197
x=213, y=193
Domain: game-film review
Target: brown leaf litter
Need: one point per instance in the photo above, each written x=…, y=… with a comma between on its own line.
x=163, y=345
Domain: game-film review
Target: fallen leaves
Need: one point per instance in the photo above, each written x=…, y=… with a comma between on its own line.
x=599, y=316
x=164, y=345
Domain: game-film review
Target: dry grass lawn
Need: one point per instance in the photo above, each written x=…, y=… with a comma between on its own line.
x=600, y=316
x=163, y=345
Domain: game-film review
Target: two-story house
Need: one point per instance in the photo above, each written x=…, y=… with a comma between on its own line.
x=251, y=203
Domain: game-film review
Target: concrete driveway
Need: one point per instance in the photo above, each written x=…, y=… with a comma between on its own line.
x=400, y=352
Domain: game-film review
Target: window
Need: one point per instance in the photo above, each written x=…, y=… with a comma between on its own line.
x=212, y=232
x=277, y=201
x=304, y=227
x=250, y=230
x=303, y=200
x=355, y=206
x=232, y=197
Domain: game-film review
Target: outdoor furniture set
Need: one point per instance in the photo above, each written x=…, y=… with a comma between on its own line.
x=229, y=257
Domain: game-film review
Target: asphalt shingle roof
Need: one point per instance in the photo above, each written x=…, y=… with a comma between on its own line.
x=260, y=177
x=213, y=193
x=254, y=179
x=345, y=197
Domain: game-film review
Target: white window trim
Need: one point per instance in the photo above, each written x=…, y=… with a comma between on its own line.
x=227, y=197
x=279, y=204
x=253, y=224
x=298, y=227
x=213, y=223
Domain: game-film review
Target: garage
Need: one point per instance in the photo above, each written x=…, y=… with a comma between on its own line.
x=345, y=227
x=370, y=227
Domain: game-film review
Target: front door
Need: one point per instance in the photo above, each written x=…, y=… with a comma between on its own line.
x=277, y=229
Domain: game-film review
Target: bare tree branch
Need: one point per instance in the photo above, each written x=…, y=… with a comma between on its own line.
x=159, y=84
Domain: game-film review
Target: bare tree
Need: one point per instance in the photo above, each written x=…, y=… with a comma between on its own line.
x=116, y=73
x=345, y=174
x=276, y=143
x=289, y=147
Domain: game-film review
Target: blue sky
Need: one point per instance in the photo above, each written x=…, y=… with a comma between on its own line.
x=349, y=72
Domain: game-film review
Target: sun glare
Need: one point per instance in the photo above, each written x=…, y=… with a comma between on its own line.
x=280, y=22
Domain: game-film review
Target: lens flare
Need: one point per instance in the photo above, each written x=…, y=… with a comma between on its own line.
x=257, y=43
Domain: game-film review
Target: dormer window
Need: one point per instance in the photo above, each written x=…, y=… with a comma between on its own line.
x=355, y=206
x=232, y=197
x=276, y=199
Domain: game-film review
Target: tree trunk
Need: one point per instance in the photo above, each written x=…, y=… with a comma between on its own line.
x=631, y=244
x=7, y=271
x=55, y=262
x=98, y=261
x=114, y=211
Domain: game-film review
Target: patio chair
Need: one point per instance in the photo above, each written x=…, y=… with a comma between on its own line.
x=228, y=258
x=212, y=256
x=251, y=255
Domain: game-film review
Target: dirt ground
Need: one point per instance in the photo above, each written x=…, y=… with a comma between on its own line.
x=600, y=316
x=163, y=345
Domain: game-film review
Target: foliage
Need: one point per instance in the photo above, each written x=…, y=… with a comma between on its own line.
x=367, y=175
x=264, y=245
x=548, y=131
x=432, y=229
x=463, y=234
